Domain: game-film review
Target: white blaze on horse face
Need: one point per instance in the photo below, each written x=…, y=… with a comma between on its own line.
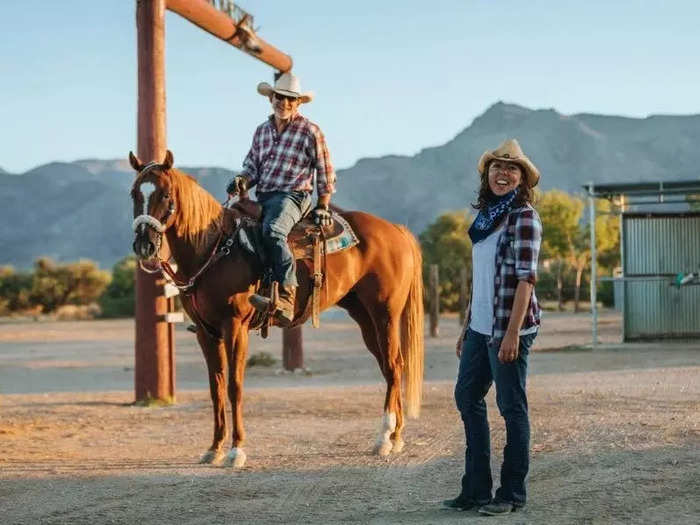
x=147, y=189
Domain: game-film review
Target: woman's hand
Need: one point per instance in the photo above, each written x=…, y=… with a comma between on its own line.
x=508, y=352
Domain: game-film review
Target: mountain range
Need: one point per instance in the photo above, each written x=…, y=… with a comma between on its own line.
x=82, y=209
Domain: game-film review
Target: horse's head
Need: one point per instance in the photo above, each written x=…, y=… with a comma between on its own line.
x=154, y=204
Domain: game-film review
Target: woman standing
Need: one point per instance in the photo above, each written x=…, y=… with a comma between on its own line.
x=500, y=328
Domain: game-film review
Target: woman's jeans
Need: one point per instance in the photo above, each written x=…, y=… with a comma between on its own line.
x=478, y=368
x=281, y=211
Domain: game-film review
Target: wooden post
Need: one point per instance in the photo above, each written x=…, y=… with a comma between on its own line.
x=292, y=349
x=462, y=295
x=204, y=14
x=153, y=367
x=434, y=300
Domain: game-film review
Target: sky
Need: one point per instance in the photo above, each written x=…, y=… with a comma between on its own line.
x=390, y=77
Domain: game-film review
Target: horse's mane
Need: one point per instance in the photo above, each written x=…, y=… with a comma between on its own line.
x=198, y=215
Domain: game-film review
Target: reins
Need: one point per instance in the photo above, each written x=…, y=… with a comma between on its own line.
x=186, y=287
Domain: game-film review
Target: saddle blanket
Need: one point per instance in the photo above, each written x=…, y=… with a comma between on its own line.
x=338, y=237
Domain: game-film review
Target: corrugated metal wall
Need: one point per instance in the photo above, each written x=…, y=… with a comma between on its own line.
x=656, y=248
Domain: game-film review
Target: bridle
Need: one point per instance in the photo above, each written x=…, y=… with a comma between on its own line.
x=163, y=266
x=145, y=218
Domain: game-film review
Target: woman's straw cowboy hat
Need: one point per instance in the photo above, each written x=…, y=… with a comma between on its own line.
x=288, y=85
x=510, y=151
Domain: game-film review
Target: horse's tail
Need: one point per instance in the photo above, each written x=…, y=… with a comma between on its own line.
x=412, y=349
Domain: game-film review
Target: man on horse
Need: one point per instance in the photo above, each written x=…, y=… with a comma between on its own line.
x=287, y=150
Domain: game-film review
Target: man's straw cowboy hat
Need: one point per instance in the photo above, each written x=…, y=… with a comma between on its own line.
x=510, y=151
x=288, y=85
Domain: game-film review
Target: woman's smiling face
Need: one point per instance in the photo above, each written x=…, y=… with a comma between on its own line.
x=504, y=176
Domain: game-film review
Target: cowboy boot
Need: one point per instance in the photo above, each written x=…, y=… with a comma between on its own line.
x=284, y=314
x=259, y=302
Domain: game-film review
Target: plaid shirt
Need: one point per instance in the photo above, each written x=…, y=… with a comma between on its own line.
x=287, y=161
x=516, y=260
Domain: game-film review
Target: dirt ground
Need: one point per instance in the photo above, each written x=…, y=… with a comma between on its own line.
x=615, y=432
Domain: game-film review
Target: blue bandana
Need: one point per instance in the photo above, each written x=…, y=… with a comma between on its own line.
x=491, y=216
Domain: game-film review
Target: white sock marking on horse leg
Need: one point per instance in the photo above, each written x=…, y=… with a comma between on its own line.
x=212, y=457
x=235, y=458
x=384, y=445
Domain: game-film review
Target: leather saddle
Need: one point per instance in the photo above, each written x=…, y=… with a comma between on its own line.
x=302, y=237
x=309, y=244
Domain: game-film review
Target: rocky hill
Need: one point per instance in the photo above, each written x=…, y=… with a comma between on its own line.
x=82, y=209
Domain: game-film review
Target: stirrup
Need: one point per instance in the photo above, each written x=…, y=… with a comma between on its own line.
x=260, y=302
x=265, y=305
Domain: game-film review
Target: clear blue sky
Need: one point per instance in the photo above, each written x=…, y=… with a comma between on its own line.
x=389, y=76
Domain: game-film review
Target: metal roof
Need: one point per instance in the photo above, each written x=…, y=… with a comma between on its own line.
x=645, y=189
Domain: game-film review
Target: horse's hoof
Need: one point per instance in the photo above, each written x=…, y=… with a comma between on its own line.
x=383, y=449
x=235, y=458
x=398, y=446
x=211, y=457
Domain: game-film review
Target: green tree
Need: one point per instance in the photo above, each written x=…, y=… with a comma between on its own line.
x=118, y=299
x=446, y=242
x=15, y=290
x=607, y=234
x=55, y=285
x=561, y=215
x=567, y=237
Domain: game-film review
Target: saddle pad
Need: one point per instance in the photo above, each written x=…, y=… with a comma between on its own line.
x=339, y=236
x=344, y=240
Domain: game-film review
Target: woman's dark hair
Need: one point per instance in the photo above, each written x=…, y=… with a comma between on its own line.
x=526, y=194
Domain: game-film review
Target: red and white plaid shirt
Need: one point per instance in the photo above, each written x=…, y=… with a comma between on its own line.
x=286, y=161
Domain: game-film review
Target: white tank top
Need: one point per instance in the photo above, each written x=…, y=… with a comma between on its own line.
x=483, y=278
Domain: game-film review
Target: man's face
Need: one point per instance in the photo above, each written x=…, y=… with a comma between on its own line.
x=504, y=176
x=284, y=107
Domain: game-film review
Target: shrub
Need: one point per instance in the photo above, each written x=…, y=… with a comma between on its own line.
x=118, y=299
x=55, y=285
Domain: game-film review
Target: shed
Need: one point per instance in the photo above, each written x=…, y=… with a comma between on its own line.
x=660, y=259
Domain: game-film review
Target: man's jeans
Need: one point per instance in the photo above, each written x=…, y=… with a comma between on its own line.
x=281, y=211
x=478, y=368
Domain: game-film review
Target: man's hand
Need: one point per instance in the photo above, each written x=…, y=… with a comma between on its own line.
x=508, y=352
x=321, y=216
x=238, y=185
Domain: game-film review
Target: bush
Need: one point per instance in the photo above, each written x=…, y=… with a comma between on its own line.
x=15, y=290
x=72, y=312
x=605, y=293
x=55, y=285
x=118, y=300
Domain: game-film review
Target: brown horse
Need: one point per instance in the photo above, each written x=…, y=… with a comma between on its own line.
x=378, y=282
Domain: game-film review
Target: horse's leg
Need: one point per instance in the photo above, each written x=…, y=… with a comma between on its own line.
x=237, y=350
x=380, y=337
x=215, y=356
x=389, y=338
x=369, y=333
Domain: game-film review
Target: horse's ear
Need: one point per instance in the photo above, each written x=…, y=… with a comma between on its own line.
x=135, y=162
x=169, y=160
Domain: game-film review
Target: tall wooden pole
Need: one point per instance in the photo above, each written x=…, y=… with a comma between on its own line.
x=154, y=360
x=292, y=348
x=434, y=300
x=206, y=16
